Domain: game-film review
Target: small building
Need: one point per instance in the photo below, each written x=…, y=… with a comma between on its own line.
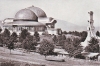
x=61, y=52
x=90, y=56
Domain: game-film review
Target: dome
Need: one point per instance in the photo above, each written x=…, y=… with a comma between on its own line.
x=25, y=14
x=39, y=12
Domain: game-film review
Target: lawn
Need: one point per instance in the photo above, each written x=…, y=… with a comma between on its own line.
x=34, y=58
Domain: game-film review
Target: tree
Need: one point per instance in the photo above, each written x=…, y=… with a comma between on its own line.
x=11, y=41
x=97, y=33
x=29, y=43
x=14, y=36
x=46, y=47
x=83, y=36
x=23, y=35
x=36, y=34
x=72, y=46
x=61, y=39
x=1, y=40
x=0, y=29
x=5, y=36
x=11, y=46
x=93, y=45
x=6, y=33
x=54, y=39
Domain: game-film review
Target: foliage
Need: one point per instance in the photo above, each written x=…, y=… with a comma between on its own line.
x=0, y=30
x=46, y=47
x=5, y=36
x=93, y=45
x=14, y=36
x=29, y=43
x=61, y=39
x=6, y=33
x=54, y=39
x=83, y=35
x=97, y=33
x=1, y=40
x=23, y=35
x=36, y=34
x=72, y=46
x=12, y=40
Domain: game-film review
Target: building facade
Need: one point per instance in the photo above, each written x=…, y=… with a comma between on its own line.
x=31, y=18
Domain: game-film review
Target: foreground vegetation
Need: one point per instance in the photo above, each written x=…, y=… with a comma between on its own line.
x=48, y=42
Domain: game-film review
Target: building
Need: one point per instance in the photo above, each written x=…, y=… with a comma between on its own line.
x=31, y=18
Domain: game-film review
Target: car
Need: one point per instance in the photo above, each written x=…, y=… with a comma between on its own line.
x=55, y=58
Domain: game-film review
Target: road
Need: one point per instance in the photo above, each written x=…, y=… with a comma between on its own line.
x=40, y=59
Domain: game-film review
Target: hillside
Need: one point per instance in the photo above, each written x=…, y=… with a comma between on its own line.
x=67, y=26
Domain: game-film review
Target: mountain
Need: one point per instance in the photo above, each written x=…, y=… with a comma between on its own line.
x=67, y=26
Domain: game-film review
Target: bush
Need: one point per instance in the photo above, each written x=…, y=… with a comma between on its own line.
x=46, y=47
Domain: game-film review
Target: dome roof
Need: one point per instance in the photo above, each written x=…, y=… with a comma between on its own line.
x=25, y=14
x=39, y=12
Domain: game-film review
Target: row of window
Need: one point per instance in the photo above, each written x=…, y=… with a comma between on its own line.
x=28, y=28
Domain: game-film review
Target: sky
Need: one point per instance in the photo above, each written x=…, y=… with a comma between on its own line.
x=73, y=11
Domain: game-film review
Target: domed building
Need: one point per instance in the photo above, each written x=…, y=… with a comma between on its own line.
x=31, y=18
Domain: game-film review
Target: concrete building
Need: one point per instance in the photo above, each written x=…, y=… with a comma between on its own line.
x=31, y=18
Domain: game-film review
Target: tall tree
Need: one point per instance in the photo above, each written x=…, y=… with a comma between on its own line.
x=23, y=35
x=93, y=45
x=5, y=36
x=11, y=41
x=36, y=34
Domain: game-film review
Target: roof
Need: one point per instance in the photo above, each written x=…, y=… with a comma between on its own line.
x=25, y=14
x=39, y=12
x=92, y=54
x=25, y=23
x=46, y=20
x=60, y=51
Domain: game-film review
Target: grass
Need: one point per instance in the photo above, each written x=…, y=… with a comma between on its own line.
x=7, y=62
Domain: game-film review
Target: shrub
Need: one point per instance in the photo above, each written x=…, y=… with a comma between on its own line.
x=46, y=47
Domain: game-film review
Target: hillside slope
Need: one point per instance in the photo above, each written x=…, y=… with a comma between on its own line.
x=67, y=26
